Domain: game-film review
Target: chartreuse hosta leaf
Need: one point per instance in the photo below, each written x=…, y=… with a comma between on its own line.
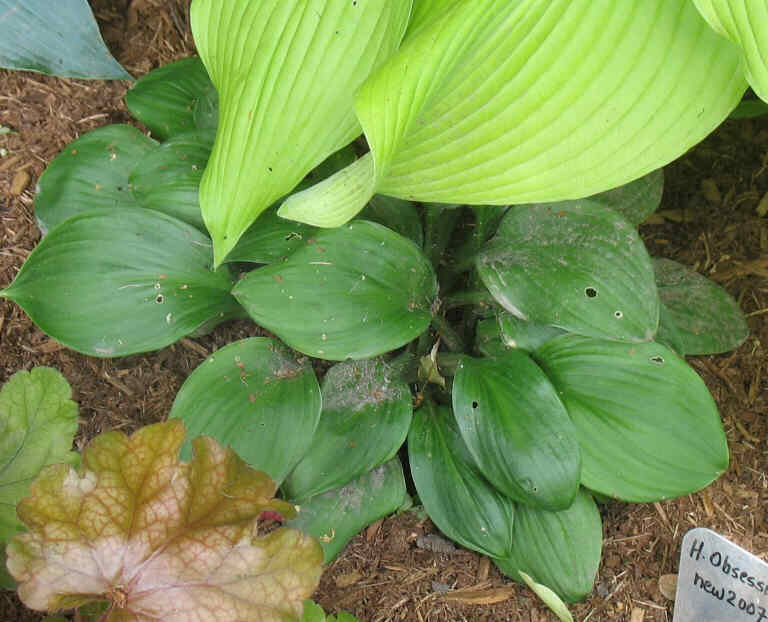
x=745, y=23
x=577, y=266
x=92, y=173
x=256, y=397
x=458, y=499
x=161, y=539
x=517, y=429
x=353, y=292
x=120, y=282
x=38, y=421
x=366, y=415
x=560, y=550
x=705, y=317
x=167, y=179
x=286, y=72
x=165, y=99
x=64, y=42
x=336, y=516
x=647, y=425
x=491, y=103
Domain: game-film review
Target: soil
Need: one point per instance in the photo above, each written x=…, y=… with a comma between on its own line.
x=709, y=219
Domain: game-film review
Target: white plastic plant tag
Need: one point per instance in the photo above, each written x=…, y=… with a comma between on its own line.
x=719, y=581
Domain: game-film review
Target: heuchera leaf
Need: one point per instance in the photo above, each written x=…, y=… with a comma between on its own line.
x=92, y=173
x=494, y=103
x=579, y=266
x=704, y=318
x=745, y=23
x=161, y=539
x=165, y=99
x=38, y=421
x=648, y=427
x=286, y=73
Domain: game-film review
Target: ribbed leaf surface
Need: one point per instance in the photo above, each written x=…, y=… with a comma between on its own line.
x=286, y=72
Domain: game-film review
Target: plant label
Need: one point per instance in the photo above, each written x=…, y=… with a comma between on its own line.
x=719, y=580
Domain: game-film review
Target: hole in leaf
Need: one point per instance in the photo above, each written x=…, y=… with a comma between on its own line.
x=590, y=292
x=618, y=315
x=659, y=360
x=474, y=404
x=159, y=299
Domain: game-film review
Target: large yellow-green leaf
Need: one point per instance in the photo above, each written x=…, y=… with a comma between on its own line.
x=286, y=72
x=161, y=539
x=745, y=22
x=647, y=425
x=497, y=102
x=354, y=292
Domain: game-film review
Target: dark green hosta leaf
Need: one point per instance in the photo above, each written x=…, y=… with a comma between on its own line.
x=255, y=397
x=517, y=429
x=488, y=341
x=707, y=319
x=336, y=516
x=636, y=200
x=366, y=415
x=579, y=267
x=165, y=99
x=270, y=239
x=168, y=178
x=522, y=335
x=647, y=425
x=120, y=282
x=560, y=550
x=400, y=216
x=458, y=499
x=205, y=113
x=61, y=41
x=92, y=173
x=353, y=292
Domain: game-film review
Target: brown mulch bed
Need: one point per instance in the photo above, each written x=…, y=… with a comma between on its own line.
x=708, y=220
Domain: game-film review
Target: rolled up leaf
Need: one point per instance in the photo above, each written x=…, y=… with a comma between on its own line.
x=492, y=103
x=286, y=72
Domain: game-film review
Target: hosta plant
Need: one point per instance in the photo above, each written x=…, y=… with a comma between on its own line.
x=545, y=343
